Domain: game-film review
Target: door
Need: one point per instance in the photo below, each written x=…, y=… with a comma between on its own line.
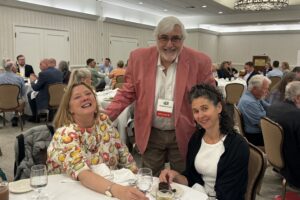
x=120, y=48
x=29, y=42
x=38, y=43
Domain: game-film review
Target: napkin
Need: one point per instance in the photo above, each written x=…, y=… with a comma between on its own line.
x=124, y=176
x=102, y=170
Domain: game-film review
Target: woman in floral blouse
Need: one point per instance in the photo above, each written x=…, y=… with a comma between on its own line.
x=85, y=137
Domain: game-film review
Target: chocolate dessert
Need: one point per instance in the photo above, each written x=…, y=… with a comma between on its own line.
x=163, y=186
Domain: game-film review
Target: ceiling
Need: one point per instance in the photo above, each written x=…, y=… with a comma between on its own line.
x=191, y=12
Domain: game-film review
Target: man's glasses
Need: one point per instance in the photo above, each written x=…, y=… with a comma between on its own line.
x=166, y=38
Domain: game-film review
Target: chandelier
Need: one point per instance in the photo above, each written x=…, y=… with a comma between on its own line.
x=255, y=5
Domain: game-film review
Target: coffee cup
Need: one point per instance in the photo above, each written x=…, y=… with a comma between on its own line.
x=4, y=193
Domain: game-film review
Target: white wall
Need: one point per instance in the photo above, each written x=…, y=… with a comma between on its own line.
x=90, y=38
x=241, y=48
x=84, y=34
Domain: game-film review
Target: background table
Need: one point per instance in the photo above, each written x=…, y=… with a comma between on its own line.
x=59, y=190
x=104, y=98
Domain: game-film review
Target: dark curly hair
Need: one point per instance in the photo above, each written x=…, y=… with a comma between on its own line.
x=213, y=94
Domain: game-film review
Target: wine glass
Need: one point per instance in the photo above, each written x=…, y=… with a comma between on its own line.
x=39, y=180
x=144, y=180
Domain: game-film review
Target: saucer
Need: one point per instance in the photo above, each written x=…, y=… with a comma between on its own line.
x=20, y=186
x=178, y=193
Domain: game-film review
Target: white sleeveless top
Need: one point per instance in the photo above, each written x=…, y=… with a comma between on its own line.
x=206, y=163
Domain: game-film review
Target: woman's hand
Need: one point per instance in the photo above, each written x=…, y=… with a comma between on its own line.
x=167, y=175
x=128, y=193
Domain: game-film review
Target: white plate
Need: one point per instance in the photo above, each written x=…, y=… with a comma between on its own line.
x=178, y=193
x=20, y=186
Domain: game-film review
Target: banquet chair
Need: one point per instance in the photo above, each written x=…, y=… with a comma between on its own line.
x=120, y=79
x=234, y=92
x=118, y=85
x=274, y=81
x=273, y=139
x=238, y=120
x=256, y=168
x=10, y=101
x=56, y=92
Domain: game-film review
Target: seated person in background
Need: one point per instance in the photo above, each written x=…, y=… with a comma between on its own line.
x=285, y=67
x=85, y=137
x=231, y=69
x=268, y=67
x=253, y=108
x=97, y=78
x=278, y=91
x=275, y=71
x=287, y=114
x=223, y=71
x=23, y=69
x=249, y=69
x=63, y=66
x=48, y=75
x=9, y=77
x=297, y=71
x=217, y=157
x=81, y=75
x=119, y=71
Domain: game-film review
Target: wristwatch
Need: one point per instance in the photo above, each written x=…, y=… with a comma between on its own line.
x=108, y=190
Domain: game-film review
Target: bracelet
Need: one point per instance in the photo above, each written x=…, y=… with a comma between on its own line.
x=108, y=191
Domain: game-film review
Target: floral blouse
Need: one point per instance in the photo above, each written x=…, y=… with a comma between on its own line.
x=74, y=149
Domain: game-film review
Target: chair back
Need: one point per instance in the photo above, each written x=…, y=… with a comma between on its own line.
x=274, y=81
x=234, y=92
x=238, y=119
x=256, y=169
x=118, y=85
x=56, y=92
x=273, y=139
x=9, y=101
x=120, y=79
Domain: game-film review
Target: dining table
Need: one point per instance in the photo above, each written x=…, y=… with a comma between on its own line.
x=62, y=187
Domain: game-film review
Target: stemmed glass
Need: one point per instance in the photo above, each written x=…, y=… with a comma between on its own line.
x=39, y=180
x=144, y=180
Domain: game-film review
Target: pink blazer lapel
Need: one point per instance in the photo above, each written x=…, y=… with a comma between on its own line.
x=182, y=75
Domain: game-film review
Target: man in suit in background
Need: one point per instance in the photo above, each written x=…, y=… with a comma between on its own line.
x=158, y=79
x=249, y=68
x=287, y=114
x=47, y=76
x=22, y=68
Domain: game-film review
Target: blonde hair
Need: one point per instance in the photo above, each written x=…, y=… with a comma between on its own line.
x=78, y=74
x=63, y=116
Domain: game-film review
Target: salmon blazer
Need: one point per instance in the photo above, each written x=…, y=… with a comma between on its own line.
x=193, y=67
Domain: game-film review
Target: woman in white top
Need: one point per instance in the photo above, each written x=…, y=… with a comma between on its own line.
x=217, y=158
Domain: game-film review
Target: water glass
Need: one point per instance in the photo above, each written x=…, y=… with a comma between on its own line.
x=144, y=179
x=39, y=180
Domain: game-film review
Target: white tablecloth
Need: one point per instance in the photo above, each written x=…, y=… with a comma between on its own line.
x=60, y=188
x=103, y=99
x=223, y=82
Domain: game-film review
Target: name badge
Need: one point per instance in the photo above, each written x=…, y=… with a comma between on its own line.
x=164, y=108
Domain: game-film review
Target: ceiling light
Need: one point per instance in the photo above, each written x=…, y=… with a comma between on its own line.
x=141, y=3
x=220, y=12
x=165, y=10
x=204, y=6
x=255, y=5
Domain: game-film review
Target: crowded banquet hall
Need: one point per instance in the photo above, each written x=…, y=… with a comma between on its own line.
x=150, y=99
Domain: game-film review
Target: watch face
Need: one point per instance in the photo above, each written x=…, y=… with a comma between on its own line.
x=108, y=193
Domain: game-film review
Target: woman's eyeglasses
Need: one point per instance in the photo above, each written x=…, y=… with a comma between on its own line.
x=166, y=38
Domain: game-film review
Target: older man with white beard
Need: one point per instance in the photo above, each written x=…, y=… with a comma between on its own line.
x=158, y=79
x=253, y=108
